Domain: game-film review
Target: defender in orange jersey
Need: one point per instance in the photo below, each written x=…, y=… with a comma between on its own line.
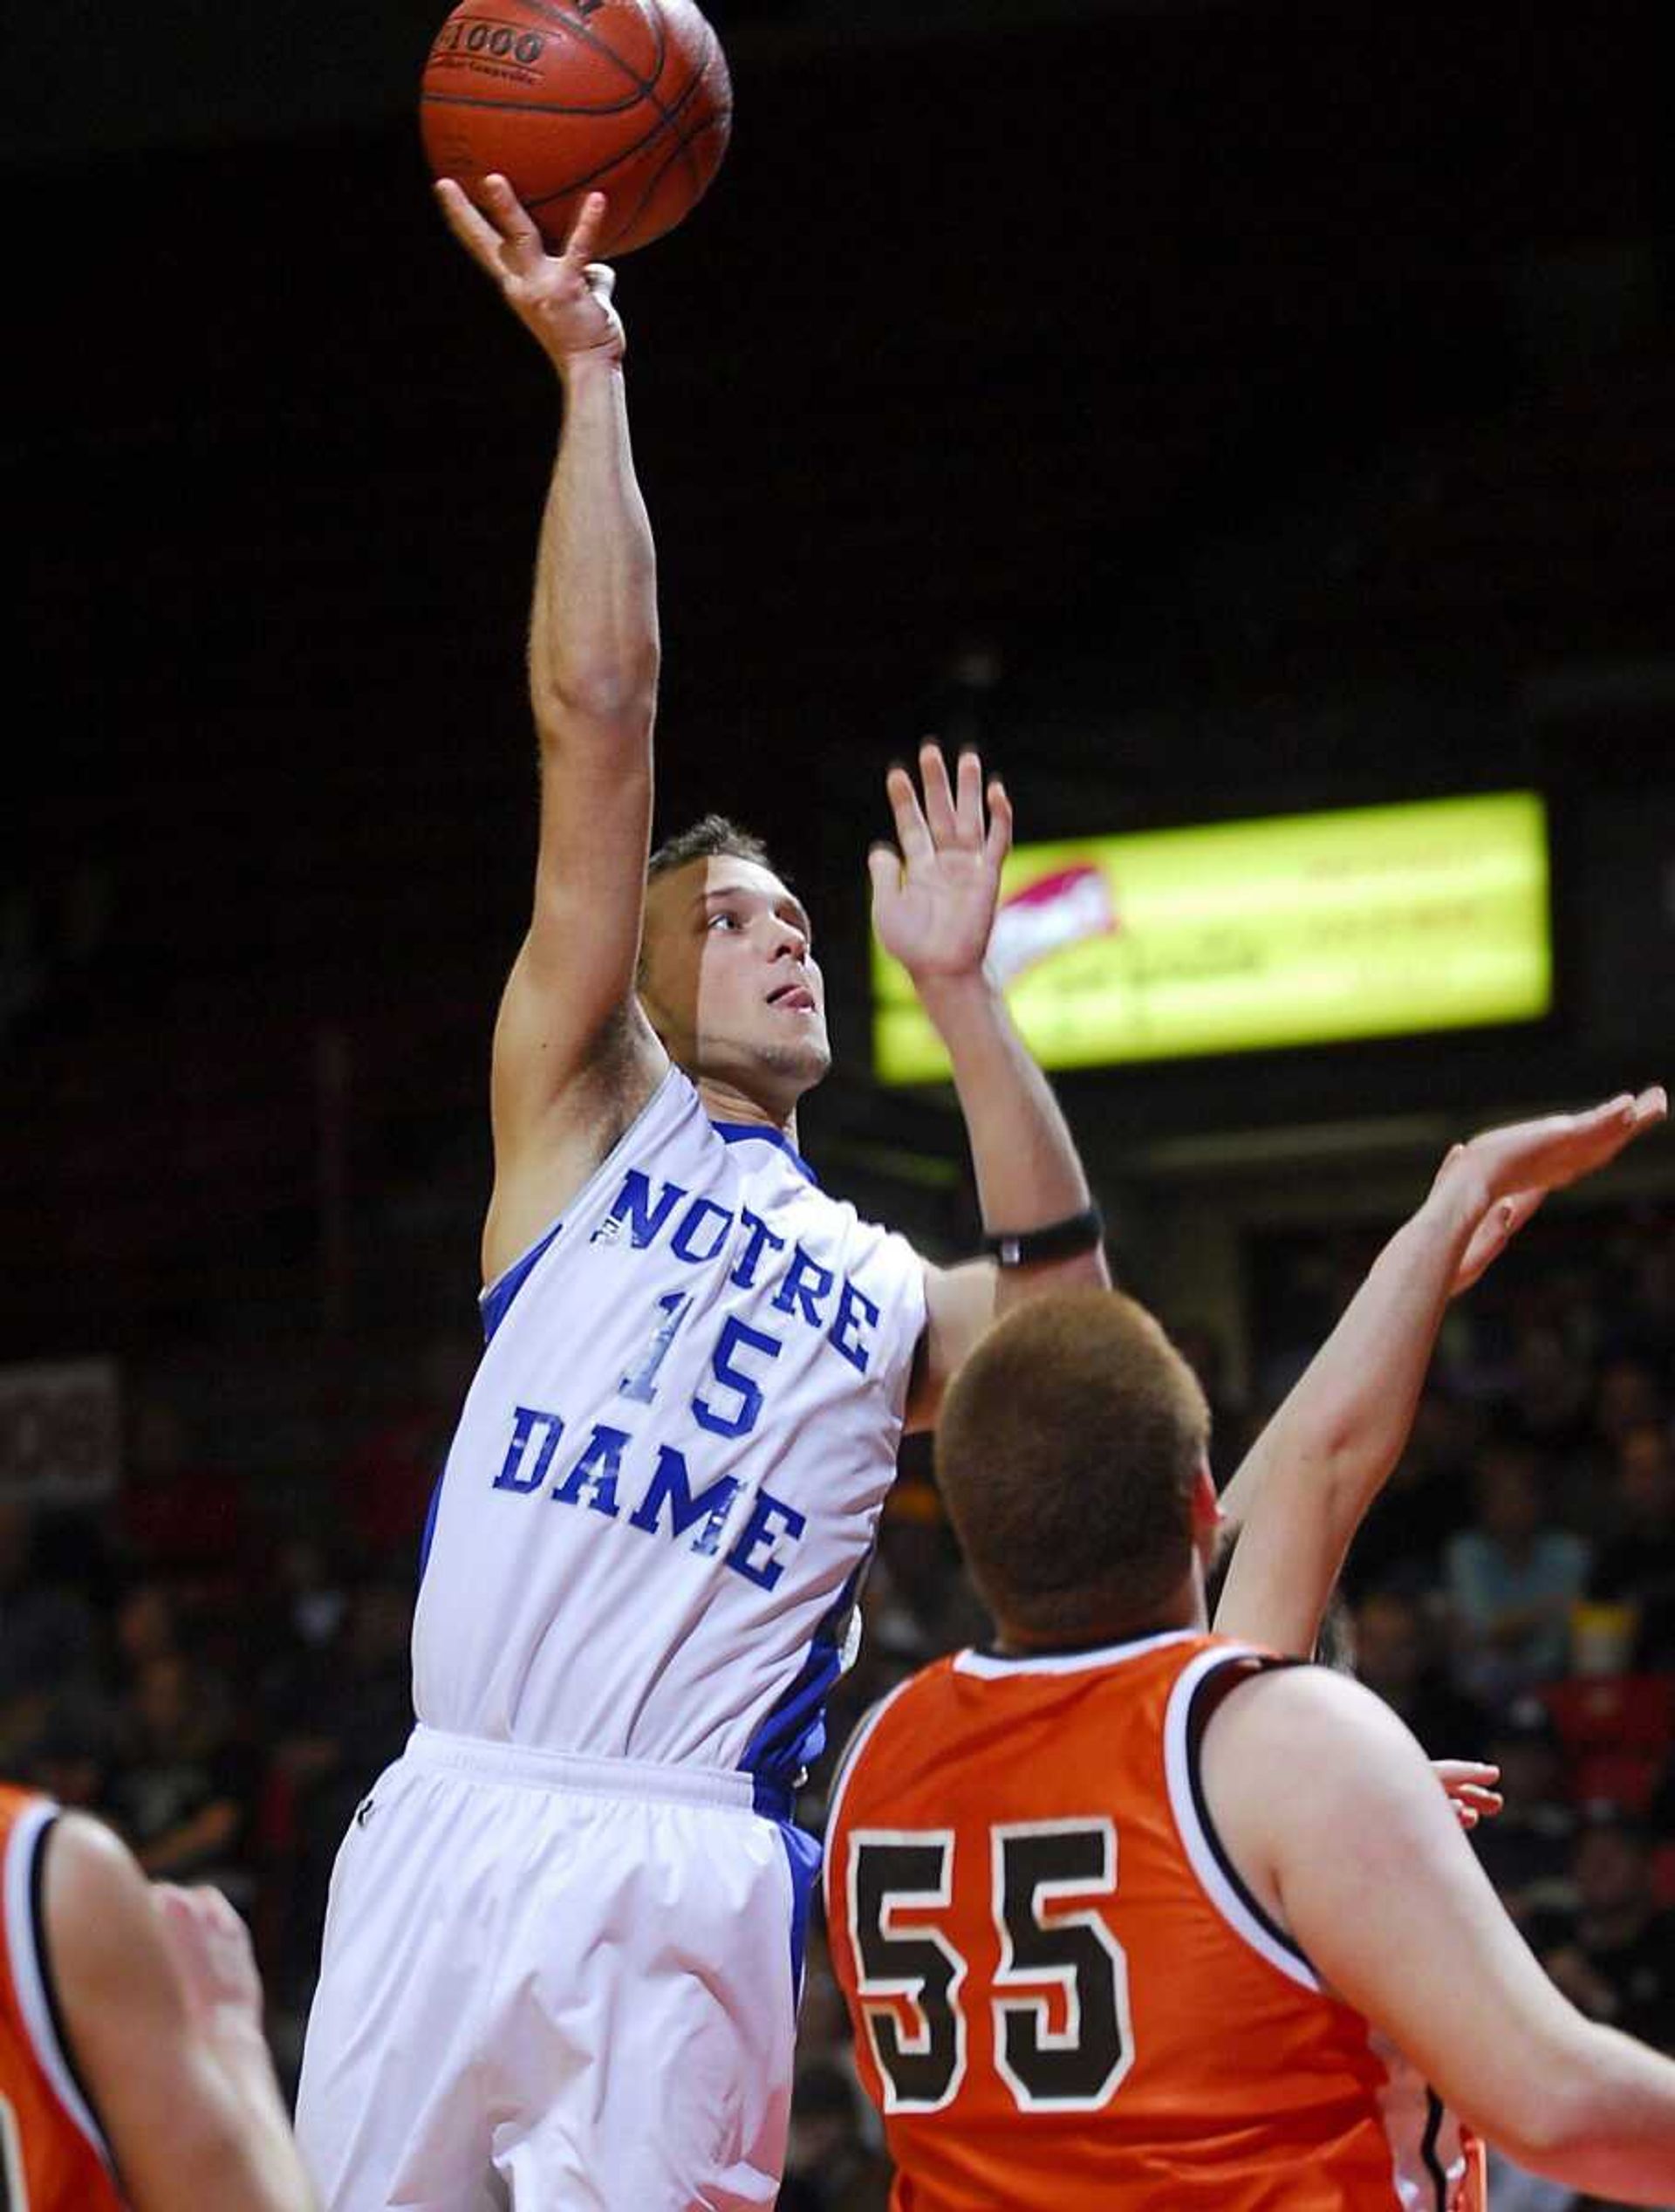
x=132, y=2073
x=1134, y=1916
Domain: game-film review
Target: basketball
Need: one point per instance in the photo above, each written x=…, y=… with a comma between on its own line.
x=630, y=97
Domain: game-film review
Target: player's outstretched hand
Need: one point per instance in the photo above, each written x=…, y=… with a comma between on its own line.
x=564, y=300
x=1505, y=1173
x=935, y=893
x=1471, y=1791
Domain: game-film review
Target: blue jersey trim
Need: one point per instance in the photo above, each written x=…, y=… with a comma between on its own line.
x=792, y=1734
x=803, y=1855
x=736, y=1133
x=430, y=1521
x=495, y=1301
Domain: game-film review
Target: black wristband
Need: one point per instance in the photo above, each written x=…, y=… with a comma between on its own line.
x=1083, y=1232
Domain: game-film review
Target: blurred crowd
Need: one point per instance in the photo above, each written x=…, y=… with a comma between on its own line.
x=222, y=1682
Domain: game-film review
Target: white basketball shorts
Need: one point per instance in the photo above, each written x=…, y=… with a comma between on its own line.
x=552, y=1982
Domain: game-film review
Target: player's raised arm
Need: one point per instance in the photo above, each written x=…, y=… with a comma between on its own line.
x=1306, y=1484
x=162, y=2012
x=568, y=1024
x=1359, y=1857
x=933, y=901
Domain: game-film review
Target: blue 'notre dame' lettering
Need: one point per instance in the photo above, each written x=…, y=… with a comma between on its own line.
x=525, y=1421
x=669, y=1503
x=633, y=1209
x=686, y=1239
x=806, y=1284
x=760, y=1238
x=669, y=1486
x=770, y=1520
x=595, y=1471
x=856, y=1315
x=701, y=1232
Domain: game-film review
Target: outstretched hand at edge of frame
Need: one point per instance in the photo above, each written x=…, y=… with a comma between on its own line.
x=1512, y=1170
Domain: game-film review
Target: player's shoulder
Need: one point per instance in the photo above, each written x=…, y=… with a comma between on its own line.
x=96, y=1903
x=1278, y=1695
x=1351, y=1763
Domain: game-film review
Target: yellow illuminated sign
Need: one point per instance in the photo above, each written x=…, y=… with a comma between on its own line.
x=1234, y=936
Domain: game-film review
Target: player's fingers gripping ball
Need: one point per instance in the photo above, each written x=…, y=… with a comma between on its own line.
x=630, y=97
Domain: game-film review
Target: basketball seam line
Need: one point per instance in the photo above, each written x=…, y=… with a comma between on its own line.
x=665, y=121
x=585, y=38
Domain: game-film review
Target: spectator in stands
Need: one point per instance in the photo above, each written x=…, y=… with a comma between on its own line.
x=1614, y=1956
x=385, y=1482
x=298, y=1635
x=351, y=1740
x=1511, y=1579
x=146, y=1627
x=829, y=2164
x=1204, y=1351
x=177, y=1510
x=182, y=1789
x=1400, y=1544
x=1629, y=1395
x=71, y=1763
x=928, y=1606
x=1549, y=1388
x=1527, y=1849
x=1392, y=1656
x=1636, y=1566
x=47, y=1637
x=1648, y=1316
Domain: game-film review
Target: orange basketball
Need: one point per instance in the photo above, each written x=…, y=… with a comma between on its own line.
x=630, y=97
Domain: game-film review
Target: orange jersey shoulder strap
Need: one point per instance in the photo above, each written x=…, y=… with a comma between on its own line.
x=52, y=2151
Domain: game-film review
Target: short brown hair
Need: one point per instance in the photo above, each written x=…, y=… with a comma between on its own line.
x=713, y=837
x=1067, y=1451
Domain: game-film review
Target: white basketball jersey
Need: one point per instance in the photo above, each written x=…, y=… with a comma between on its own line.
x=667, y=1479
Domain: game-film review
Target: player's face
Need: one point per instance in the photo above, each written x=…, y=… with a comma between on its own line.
x=729, y=980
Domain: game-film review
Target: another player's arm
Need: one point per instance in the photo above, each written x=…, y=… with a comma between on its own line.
x=569, y=1013
x=934, y=902
x=1363, y=1863
x=164, y=2019
x=1308, y=1481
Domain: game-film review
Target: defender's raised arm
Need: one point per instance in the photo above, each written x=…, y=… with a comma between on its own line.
x=1308, y=1481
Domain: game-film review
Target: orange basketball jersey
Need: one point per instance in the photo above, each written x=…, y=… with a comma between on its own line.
x=1063, y=1997
x=53, y=2156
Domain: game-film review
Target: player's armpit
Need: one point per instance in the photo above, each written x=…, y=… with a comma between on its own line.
x=547, y=1146
x=188, y=2126
x=1359, y=1856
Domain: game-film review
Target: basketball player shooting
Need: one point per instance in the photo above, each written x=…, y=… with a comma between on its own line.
x=563, y=1944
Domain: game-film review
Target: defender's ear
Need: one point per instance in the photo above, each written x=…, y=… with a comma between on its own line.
x=1206, y=1507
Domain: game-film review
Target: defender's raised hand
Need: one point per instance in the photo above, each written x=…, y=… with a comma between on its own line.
x=563, y=300
x=1505, y=1173
x=934, y=900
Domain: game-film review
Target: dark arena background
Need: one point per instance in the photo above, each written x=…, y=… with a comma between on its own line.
x=1215, y=411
